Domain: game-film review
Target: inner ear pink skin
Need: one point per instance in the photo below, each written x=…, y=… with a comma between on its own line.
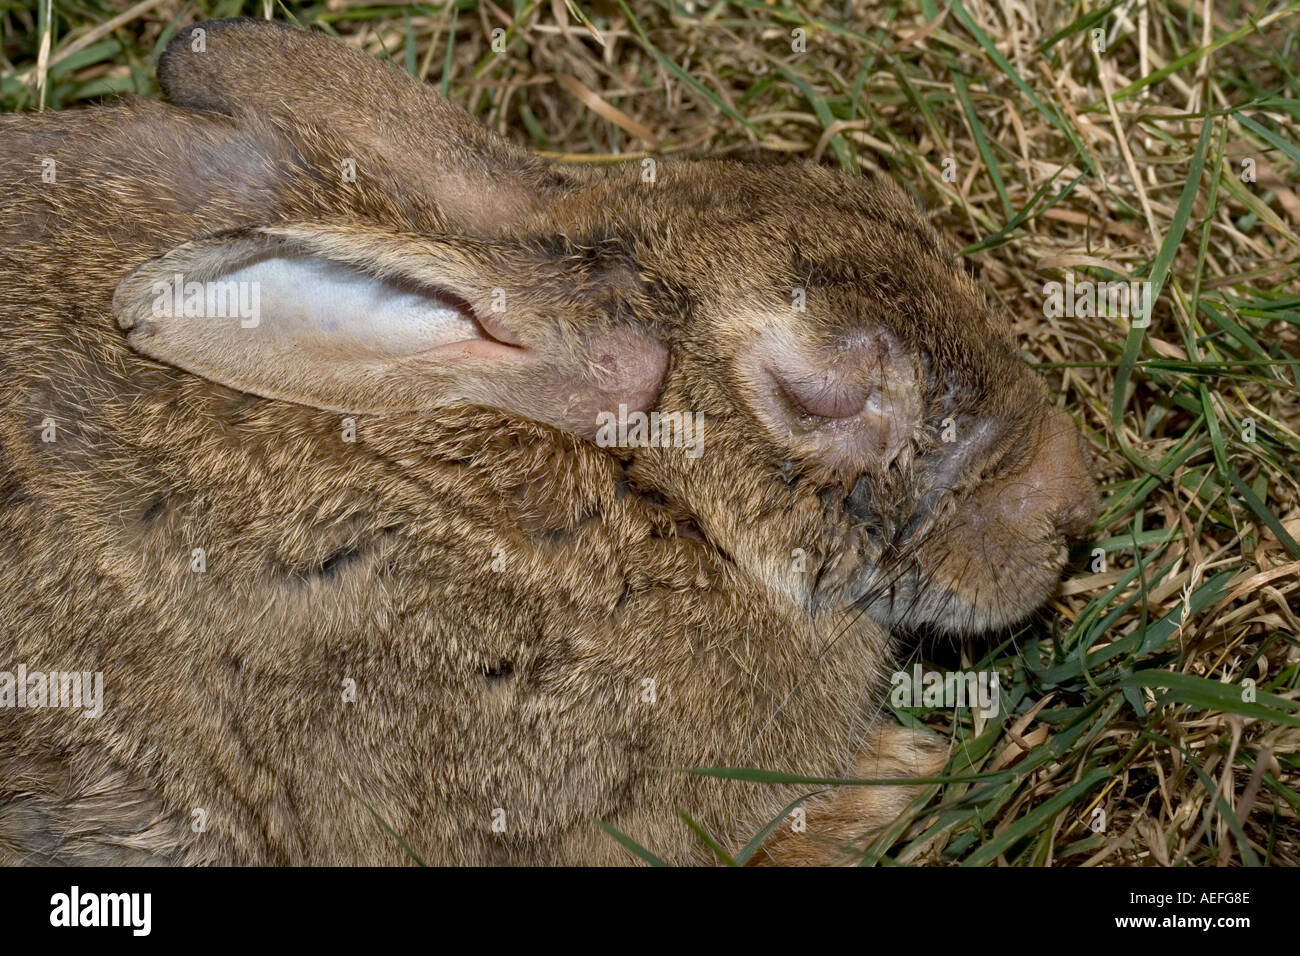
x=477, y=348
x=851, y=406
x=495, y=327
x=499, y=342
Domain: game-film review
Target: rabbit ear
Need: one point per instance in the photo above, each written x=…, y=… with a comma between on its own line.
x=359, y=321
x=298, y=78
x=852, y=405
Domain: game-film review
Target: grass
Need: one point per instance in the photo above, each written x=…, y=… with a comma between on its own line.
x=1127, y=697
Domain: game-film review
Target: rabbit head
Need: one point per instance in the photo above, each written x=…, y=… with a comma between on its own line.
x=870, y=437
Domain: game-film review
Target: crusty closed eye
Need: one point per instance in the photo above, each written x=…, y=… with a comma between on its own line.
x=848, y=407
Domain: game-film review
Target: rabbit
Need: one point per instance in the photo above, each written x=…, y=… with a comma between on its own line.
x=352, y=548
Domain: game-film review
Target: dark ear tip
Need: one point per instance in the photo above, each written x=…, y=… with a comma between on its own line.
x=171, y=64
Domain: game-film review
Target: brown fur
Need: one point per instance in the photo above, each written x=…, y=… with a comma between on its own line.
x=372, y=561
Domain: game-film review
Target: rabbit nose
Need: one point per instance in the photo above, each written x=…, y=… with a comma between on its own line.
x=1078, y=493
x=1055, y=483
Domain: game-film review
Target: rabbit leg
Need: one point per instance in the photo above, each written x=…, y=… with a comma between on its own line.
x=839, y=819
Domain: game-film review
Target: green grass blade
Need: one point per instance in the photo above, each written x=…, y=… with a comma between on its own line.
x=636, y=849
